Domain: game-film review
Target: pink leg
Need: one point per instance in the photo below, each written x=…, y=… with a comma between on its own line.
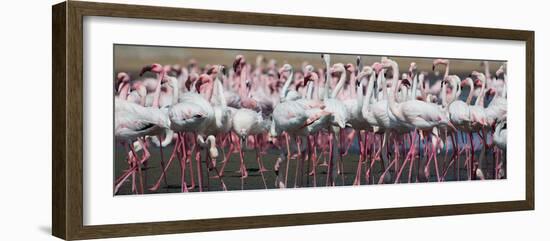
x=330, y=180
x=163, y=174
x=357, y=180
x=260, y=165
x=341, y=147
x=300, y=164
x=244, y=171
x=162, y=159
x=260, y=143
x=408, y=158
x=287, y=158
x=138, y=168
x=472, y=174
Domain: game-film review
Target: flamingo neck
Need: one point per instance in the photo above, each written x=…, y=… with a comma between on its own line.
x=339, y=85
x=394, y=108
x=359, y=96
x=242, y=85
x=175, y=91
x=309, y=92
x=394, y=80
x=220, y=92
x=415, y=85
x=454, y=91
x=487, y=72
x=353, y=83
x=471, y=93
x=156, y=100
x=479, y=100
x=327, y=80
x=504, y=87
x=370, y=85
x=123, y=95
x=287, y=84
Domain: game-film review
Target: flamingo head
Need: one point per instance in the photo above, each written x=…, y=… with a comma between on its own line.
x=467, y=82
x=350, y=67
x=212, y=70
x=437, y=62
x=285, y=69
x=477, y=83
x=377, y=67
x=365, y=72
x=480, y=77
x=310, y=76
x=190, y=80
x=412, y=69
x=405, y=82
x=337, y=69
x=239, y=63
x=308, y=68
x=167, y=68
x=501, y=70
x=491, y=91
x=155, y=68
x=203, y=82
x=326, y=58
x=122, y=79
x=222, y=69
x=176, y=68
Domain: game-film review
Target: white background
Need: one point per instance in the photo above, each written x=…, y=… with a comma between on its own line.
x=25, y=58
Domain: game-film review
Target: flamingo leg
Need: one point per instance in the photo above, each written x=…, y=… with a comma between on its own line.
x=227, y=156
x=242, y=168
x=357, y=180
x=162, y=160
x=453, y=159
x=189, y=157
x=183, y=163
x=138, y=168
x=384, y=155
x=408, y=158
x=299, y=160
x=287, y=138
x=330, y=170
x=341, y=147
x=472, y=160
x=172, y=156
x=259, y=161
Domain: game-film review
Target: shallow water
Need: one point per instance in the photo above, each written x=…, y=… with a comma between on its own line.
x=232, y=179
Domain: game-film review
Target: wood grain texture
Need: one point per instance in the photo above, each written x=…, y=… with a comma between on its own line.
x=67, y=137
x=59, y=193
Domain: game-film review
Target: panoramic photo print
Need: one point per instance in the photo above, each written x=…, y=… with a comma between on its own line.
x=200, y=119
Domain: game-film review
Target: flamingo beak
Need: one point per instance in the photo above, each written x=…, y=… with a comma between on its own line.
x=210, y=70
x=147, y=68
x=198, y=84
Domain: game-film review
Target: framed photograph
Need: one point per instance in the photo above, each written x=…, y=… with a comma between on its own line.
x=172, y=120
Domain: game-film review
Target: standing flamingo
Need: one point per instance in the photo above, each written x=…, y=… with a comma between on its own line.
x=133, y=121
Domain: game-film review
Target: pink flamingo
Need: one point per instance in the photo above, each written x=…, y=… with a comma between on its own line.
x=133, y=121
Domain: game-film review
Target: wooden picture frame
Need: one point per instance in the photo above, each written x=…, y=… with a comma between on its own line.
x=67, y=123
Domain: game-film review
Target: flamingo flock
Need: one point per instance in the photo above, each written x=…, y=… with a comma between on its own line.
x=307, y=121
